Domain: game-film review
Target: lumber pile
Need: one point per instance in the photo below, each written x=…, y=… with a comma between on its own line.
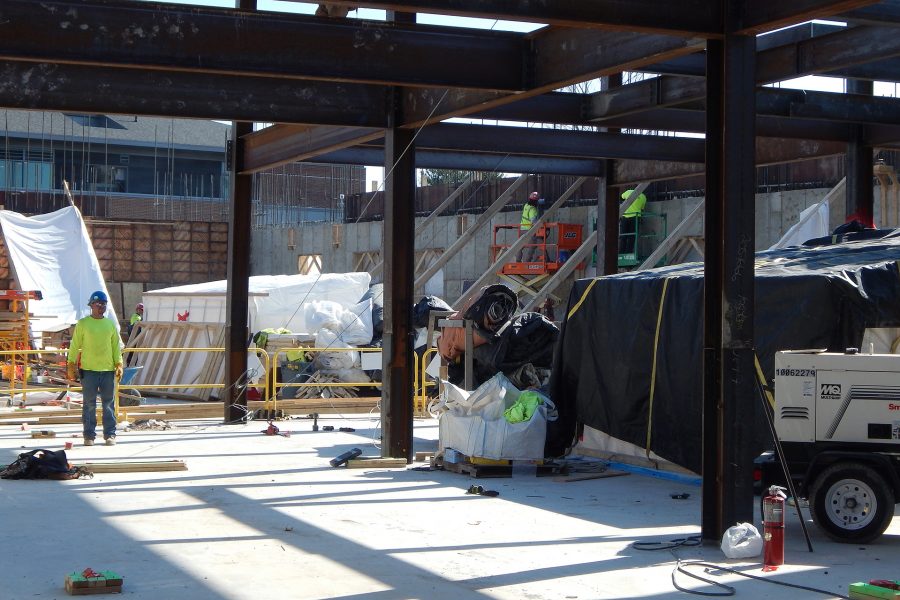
x=309, y=390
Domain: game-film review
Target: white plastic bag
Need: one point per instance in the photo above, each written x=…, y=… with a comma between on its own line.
x=742, y=541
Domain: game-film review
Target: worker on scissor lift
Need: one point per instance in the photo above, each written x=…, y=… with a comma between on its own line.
x=529, y=216
x=628, y=223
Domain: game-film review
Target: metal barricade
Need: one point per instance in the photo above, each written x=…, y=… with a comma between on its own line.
x=274, y=385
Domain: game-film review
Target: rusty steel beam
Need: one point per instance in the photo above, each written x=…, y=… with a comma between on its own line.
x=688, y=17
x=886, y=12
x=827, y=53
x=759, y=17
x=89, y=89
x=230, y=42
x=468, y=161
x=769, y=151
x=610, y=53
x=282, y=144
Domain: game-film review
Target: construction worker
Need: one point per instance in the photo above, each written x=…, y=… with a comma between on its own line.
x=136, y=316
x=628, y=222
x=95, y=348
x=529, y=216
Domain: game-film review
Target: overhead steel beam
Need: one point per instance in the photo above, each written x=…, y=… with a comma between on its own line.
x=886, y=12
x=591, y=53
x=222, y=41
x=553, y=107
x=759, y=17
x=91, y=89
x=769, y=151
x=282, y=144
x=468, y=161
x=688, y=17
x=827, y=53
x=557, y=142
x=560, y=57
x=658, y=92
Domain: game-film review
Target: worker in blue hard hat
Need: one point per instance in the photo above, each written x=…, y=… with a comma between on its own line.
x=95, y=349
x=628, y=222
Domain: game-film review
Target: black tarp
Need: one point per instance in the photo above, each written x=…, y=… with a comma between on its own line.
x=822, y=297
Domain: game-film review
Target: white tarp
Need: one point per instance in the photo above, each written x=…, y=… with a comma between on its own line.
x=813, y=223
x=275, y=301
x=52, y=253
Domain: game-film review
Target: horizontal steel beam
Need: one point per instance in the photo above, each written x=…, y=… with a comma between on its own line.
x=557, y=142
x=886, y=12
x=759, y=17
x=469, y=161
x=827, y=53
x=85, y=89
x=283, y=144
x=231, y=42
x=769, y=151
x=687, y=17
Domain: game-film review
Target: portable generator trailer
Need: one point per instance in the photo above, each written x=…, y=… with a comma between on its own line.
x=837, y=417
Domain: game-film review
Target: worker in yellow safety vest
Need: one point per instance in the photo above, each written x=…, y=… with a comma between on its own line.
x=529, y=216
x=628, y=222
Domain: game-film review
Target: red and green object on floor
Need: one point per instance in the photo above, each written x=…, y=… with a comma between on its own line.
x=90, y=581
x=877, y=589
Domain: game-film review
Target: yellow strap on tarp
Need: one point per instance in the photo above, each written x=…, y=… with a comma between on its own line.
x=662, y=303
x=581, y=300
x=762, y=381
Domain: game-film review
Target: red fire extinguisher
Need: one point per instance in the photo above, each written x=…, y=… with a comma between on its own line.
x=773, y=527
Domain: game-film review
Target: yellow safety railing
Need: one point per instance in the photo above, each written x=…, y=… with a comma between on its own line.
x=274, y=385
x=194, y=386
x=421, y=405
x=26, y=389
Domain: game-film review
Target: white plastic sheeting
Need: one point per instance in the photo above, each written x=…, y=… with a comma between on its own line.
x=52, y=253
x=813, y=223
x=276, y=301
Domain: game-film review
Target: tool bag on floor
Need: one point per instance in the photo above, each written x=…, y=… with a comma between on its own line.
x=42, y=464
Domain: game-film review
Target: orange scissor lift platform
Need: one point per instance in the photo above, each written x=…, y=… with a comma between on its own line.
x=555, y=243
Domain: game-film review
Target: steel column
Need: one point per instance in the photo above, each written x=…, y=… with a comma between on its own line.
x=399, y=253
x=860, y=193
x=728, y=294
x=237, y=288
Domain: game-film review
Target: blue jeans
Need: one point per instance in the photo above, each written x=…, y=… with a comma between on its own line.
x=104, y=383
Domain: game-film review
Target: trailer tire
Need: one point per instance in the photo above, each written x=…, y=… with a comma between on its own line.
x=851, y=502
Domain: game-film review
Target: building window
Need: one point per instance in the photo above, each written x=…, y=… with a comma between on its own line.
x=309, y=264
x=26, y=170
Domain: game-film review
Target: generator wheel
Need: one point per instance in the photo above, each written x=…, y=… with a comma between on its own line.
x=852, y=503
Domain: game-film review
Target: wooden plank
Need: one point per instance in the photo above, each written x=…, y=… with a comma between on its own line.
x=375, y=463
x=134, y=467
x=588, y=476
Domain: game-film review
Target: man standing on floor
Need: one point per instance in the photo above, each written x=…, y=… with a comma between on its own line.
x=95, y=347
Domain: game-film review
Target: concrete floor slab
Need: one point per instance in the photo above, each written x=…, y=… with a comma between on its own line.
x=258, y=517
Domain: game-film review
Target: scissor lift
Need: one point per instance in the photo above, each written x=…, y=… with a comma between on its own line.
x=555, y=243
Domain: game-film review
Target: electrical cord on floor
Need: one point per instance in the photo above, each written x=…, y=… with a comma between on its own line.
x=711, y=566
x=681, y=567
x=692, y=540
